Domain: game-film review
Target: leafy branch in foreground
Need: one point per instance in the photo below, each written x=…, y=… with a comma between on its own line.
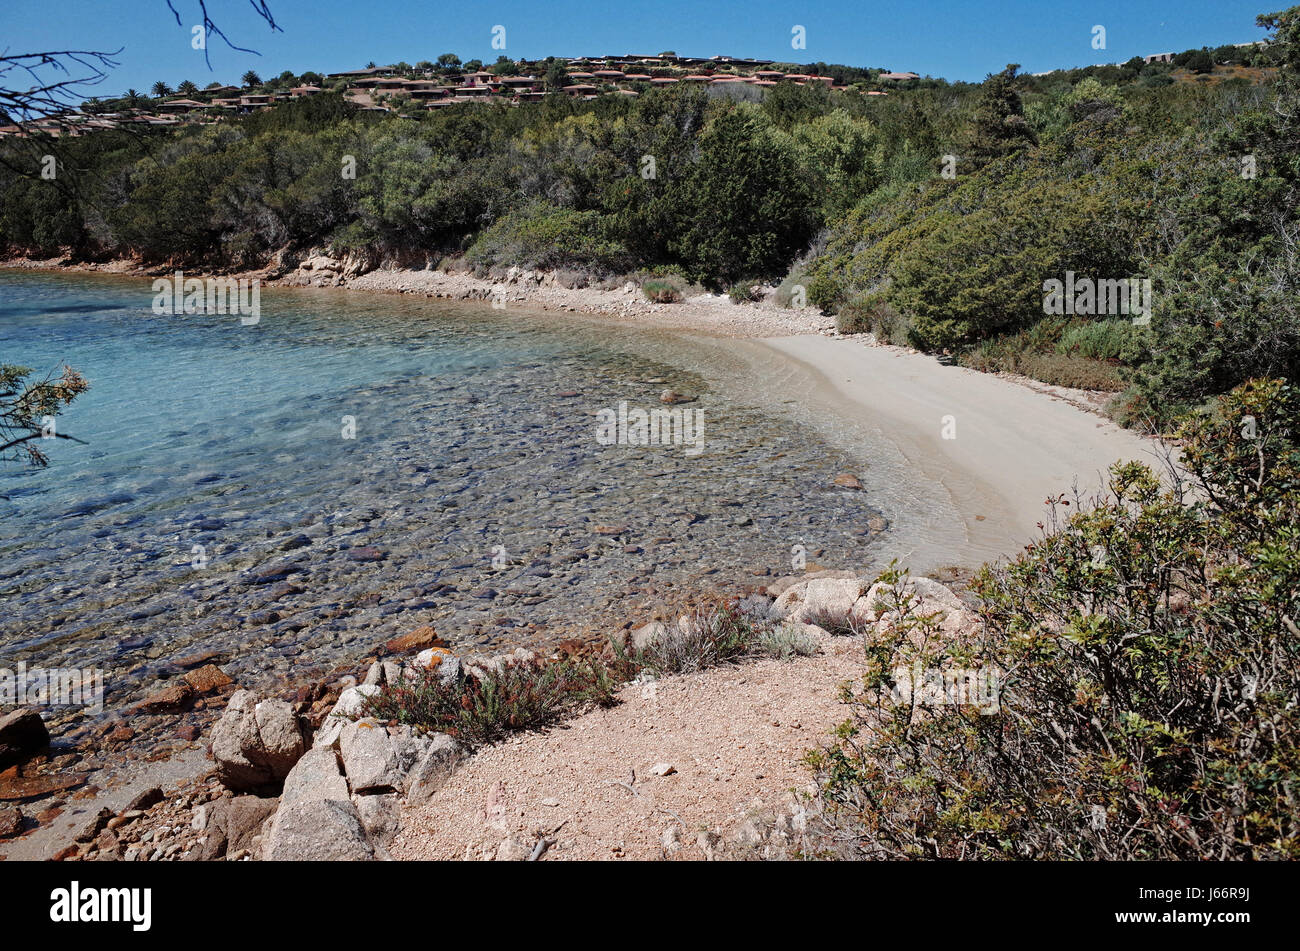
x=27, y=410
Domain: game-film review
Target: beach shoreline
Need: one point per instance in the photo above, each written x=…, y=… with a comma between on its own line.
x=988, y=484
x=997, y=477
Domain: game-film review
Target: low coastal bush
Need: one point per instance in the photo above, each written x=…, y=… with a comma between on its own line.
x=744, y=292
x=873, y=314
x=725, y=632
x=1059, y=352
x=785, y=641
x=793, y=291
x=662, y=290
x=1149, y=656
x=842, y=623
x=544, y=236
x=480, y=710
x=1097, y=339
x=493, y=702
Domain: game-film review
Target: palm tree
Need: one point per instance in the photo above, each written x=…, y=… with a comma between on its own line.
x=187, y=89
x=251, y=79
x=161, y=89
x=133, y=99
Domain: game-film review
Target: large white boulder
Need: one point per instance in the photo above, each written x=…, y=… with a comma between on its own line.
x=256, y=742
x=806, y=601
x=930, y=597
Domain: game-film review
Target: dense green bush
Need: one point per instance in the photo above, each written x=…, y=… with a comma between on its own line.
x=545, y=236
x=1098, y=339
x=1150, y=674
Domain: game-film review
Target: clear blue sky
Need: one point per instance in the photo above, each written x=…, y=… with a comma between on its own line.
x=955, y=39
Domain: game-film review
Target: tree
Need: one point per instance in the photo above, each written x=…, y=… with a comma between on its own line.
x=1200, y=62
x=133, y=99
x=1000, y=127
x=210, y=27
x=160, y=90
x=250, y=79
x=28, y=409
x=187, y=89
x=746, y=205
x=50, y=84
x=449, y=61
x=556, y=75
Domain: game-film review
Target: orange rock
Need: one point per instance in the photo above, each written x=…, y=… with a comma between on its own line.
x=122, y=734
x=207, y=679
x=169, y=700
x=417, y=640
x=435, y=657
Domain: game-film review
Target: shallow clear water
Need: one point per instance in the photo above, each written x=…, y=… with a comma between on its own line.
x=474, y=496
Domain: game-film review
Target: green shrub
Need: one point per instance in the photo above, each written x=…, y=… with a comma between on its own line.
x=1052, y=351
x=544, y=236
x=662, y=290
x=744, y=292
x=481, y=710
x=1097, y=339
x=1149, y=706
x=873, y=314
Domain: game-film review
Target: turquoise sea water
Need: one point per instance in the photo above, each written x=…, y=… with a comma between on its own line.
x=217, y=508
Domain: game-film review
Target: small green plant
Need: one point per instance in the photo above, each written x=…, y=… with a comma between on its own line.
x=714, y=634
x=744, y=292
x=480, y=710
x=662, y=290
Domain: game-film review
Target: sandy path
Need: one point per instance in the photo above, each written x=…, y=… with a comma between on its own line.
x=732, y=735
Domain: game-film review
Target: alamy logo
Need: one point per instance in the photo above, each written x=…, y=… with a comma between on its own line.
x=214, y=295
x=1109, y=297
x=74, y=904
x=933, y=687
x=656, y=427
x=52, y=687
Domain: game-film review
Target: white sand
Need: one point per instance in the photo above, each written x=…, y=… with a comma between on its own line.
x=1013, y=447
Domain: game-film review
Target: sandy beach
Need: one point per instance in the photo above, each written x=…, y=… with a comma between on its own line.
x=1012, y=445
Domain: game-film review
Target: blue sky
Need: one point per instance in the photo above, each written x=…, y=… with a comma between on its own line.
x=956, y=39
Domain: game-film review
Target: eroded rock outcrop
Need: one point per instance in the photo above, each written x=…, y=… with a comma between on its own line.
x=257, y=742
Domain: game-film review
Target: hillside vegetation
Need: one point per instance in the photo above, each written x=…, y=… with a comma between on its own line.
x=931, y=216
